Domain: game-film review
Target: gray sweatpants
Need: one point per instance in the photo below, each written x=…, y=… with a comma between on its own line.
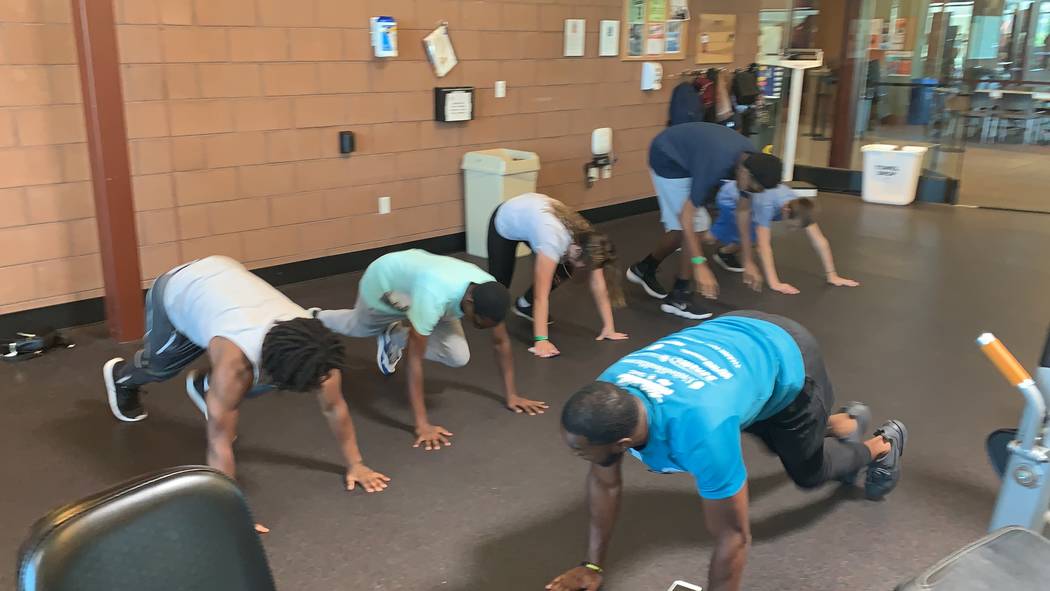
x=446, y=345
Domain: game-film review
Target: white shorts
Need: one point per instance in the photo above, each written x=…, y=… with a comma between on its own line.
x=672, y=194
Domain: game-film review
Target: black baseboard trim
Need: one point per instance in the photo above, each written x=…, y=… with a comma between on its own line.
x=93, y=310
x=933, y=187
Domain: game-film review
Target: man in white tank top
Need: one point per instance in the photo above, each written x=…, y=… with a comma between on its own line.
x=256, y=339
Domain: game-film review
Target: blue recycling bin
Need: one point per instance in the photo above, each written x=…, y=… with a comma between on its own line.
x=920, y=104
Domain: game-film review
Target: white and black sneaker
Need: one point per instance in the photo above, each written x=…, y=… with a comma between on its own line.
x=197, y=390
x=389, y=347
x=683, y=306
x=524, y=310
x=729, y=262
x=124, y=402
x=647, y=281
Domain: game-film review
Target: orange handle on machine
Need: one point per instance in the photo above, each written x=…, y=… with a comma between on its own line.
x=1004, y=360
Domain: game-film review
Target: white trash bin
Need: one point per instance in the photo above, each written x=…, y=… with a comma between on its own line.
x=490, y=177
x=891, y=173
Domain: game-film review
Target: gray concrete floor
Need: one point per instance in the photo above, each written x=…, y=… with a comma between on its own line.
x=503, y=507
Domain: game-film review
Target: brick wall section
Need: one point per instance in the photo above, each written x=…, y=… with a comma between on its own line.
x=233, y=110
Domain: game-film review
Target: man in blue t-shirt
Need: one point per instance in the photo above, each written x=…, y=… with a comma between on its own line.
x=680, y=405
x=687, y=163
x=767, y=207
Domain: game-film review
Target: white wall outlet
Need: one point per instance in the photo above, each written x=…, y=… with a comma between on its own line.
x=501, y=88
x=384, y=205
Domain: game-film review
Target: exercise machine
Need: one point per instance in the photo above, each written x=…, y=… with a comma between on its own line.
x=1021, y=456
x=1014, y=555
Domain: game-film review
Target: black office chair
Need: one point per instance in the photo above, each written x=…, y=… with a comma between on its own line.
x=181, y=529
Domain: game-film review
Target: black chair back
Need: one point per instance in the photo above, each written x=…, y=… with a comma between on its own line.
x=186, y=528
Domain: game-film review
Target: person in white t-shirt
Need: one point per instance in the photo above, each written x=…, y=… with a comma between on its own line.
x=564, y=243
x=256, y=339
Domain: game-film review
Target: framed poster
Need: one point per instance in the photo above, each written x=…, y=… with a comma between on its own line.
x=715, y=38
x=655, y=30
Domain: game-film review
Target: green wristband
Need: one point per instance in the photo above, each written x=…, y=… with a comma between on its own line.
x=592, y=566
x=699, y=260
x=538, y=339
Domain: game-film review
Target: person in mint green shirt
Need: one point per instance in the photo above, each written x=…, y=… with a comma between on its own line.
x=680, y=405
x=414, y=300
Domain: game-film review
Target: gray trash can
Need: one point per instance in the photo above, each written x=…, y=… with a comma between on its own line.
x=490, y=177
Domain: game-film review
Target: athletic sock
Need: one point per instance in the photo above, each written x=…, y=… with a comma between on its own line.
x=648, y=265
x=523, y=303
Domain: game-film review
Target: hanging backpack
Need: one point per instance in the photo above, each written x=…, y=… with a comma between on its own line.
x=745, y=87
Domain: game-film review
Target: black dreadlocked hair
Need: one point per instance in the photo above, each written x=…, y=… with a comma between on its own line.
x=297, y=354
x=601, y=412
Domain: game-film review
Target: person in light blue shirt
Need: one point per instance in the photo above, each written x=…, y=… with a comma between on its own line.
x=680, y=405
x=413, y=301
x=774, y=205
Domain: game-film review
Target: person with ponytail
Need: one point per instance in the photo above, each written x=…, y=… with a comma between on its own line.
x=256, y=340
x=564, y=244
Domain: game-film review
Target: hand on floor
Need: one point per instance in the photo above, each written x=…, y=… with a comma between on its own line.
x=838, y=281
x=261, y=529
x=432, y=437
x=524, y=405
x=576, y=579
x=785, y=288
x=752, y=276
x=611, y=335
x=545, y=349
x=369, y=479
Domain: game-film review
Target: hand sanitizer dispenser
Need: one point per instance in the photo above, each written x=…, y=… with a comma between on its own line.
x=384, y=36
x=601, y=148
x=652, y=76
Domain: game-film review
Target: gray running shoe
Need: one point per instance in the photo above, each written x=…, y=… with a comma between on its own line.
x=885, y=472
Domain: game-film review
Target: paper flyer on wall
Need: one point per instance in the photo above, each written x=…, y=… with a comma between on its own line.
x=657, y=10
x=440, y=52
x=636, y=11
x=679, y=10
x=654, y=44
x=635, y=39
x=674, y=37
x=610, y=39
x=575, y=36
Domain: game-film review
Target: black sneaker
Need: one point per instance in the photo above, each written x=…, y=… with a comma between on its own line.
x=729, y=262
x=197, y=389
x=682, y=305
x=885, y=472
x=525, y=311
x=123, y=402
x=647, y=281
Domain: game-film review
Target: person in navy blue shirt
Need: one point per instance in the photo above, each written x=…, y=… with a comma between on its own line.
x=687, y=163
x=680, y=405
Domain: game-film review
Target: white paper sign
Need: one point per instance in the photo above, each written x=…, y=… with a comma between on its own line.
x=458, y=105
x=610, y=38
x=575, y=35
x=440, y=52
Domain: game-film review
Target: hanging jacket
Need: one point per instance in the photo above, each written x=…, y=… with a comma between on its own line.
x=686, y=106
x=745, y=87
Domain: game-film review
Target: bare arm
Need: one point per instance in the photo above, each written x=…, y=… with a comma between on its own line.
x=752, y=276
x=604, y=485
x=335, y=411
x=431, y=437
x=727, y=520
x=542, y=279
x=765, y=252
x=702, y=273
x=230, y=379
x=823, y=248
x=505, y=360
x=600, y=292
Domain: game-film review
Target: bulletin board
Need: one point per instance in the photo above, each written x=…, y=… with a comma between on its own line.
x=654, y=30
